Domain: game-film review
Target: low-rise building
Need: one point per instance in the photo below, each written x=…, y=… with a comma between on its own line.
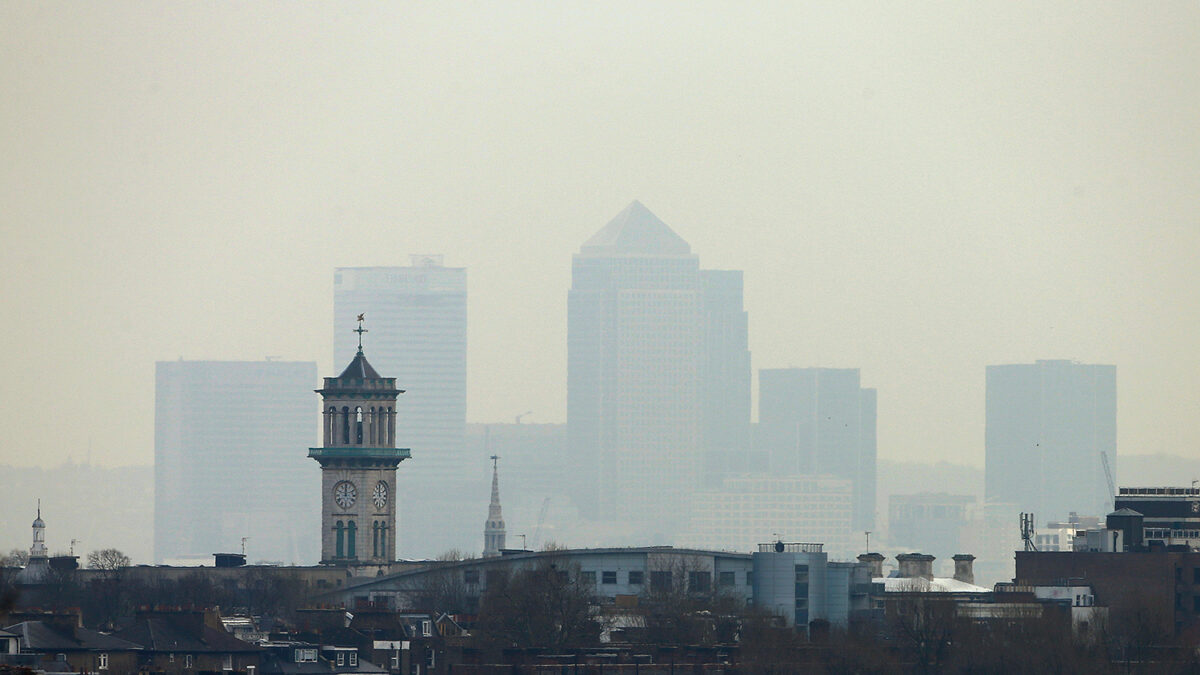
x=187, y=641
x=60, y=638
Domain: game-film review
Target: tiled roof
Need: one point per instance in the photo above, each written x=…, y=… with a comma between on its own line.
x=161, y=635
x=39, y=636
x=359, y=369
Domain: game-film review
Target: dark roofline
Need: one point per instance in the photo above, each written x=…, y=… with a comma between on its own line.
x=437, y=565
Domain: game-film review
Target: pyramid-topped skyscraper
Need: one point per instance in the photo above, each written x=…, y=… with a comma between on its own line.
x=651, y=339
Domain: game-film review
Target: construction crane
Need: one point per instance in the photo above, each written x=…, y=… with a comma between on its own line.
x=537, y=532
x=524, y=414
x=1112, y=488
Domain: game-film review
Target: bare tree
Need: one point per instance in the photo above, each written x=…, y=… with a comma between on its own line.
x=109, y=560
x=444, y=591
x=16, y=558
x=924, y=623
x=546, y=606
x=454, y=555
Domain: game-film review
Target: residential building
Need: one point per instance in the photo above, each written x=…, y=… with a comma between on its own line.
x=226, y=473
x=59, y=643
x=183, y=641
x=821, y=421
x=1048, y=424
x=645, y=331
x=417, y=316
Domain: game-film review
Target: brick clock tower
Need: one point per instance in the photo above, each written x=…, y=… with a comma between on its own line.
x=358, y=465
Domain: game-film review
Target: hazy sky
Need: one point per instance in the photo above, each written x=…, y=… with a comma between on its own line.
x=918, y=190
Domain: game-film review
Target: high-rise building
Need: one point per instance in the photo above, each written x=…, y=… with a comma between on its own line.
x=749, y=508
x=929, y=522
x=724, y=376
x=226, y=434
x=645, y=334
x=418, y=334
x=1047, y=423
x=820, y=421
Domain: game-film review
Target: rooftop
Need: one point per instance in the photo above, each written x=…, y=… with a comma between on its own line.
x=636, y=230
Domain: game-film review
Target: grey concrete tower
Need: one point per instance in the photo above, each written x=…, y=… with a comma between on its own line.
x=358, y=464
x=493, y=530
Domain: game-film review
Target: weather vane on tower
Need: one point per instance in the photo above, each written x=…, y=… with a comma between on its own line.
x=360, y=330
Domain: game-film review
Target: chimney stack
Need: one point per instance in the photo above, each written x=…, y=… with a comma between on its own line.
x=964, y=568
x=914, y=565
x=874, y=562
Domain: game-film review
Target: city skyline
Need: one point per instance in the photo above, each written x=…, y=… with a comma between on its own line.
x=915, y=192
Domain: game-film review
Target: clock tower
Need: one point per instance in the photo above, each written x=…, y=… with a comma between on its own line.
x=358, y=464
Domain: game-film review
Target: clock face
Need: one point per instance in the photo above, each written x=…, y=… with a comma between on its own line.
x=380, y=495
x=344, y=493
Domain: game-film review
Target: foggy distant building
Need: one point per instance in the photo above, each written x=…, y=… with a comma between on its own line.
x=820, y=421
x=417, y=317
x=748, y=509
x=724, y=376
x=648, y=336
x=929, y=522
x=228, y=460
x=1047, y=424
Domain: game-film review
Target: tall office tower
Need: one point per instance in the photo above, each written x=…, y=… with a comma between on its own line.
x=418, y=334
x=820, y=421
x=636, y=354
x=225, y=464
x=724, y=376
x=1047, y=424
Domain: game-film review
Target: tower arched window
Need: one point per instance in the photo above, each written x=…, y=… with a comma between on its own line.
x=340, y=537
x=390, y=424
x=345, y=425
x=375, y=539
x=373, y=436
x=330, y=425
x=351, y=538
x=358, y=426
x=383, y=549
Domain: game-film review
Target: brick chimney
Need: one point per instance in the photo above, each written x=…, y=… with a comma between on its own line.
x=964, y=568
x=914, y=565
x=875, y=562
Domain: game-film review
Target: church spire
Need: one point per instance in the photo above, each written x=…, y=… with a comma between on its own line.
x=493, y=530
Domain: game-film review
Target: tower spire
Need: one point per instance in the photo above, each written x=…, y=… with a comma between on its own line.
x=493, y=530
